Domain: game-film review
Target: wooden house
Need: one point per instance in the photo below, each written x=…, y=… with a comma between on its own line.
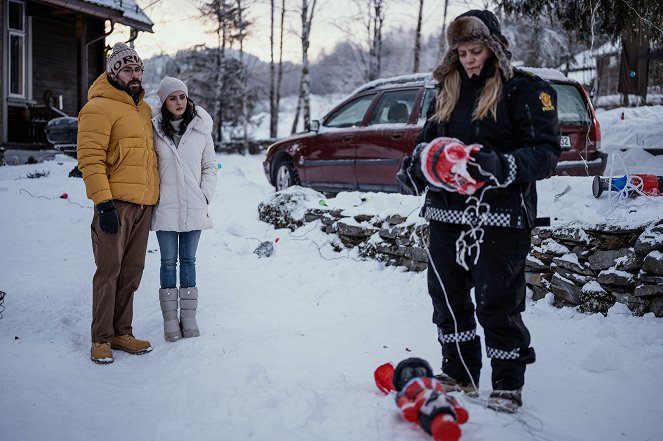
x=51, y=51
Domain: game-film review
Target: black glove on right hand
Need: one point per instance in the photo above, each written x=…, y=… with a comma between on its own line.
x=411, y=171
x=109, y=221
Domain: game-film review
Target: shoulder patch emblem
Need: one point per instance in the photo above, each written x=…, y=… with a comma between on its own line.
x=546, y=101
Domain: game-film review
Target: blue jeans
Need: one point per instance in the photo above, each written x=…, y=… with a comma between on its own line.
x=168, y=243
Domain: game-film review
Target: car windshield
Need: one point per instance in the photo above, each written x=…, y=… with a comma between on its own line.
x=571, y=107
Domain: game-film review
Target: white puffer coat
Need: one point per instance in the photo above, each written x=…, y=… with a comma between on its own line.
x=188, y=176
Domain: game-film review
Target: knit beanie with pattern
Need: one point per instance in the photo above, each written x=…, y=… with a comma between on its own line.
x=122, y=56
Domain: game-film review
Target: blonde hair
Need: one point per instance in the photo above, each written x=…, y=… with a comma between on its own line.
x=449, y=94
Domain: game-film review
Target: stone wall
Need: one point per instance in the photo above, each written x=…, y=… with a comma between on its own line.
x=587, y=268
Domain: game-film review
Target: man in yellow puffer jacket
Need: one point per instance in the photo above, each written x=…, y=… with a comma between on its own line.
x=116, y=156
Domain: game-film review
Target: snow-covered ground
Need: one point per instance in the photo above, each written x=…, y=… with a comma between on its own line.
x=289, y=343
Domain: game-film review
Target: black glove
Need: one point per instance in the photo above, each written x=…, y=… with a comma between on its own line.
x=411, y=171
x=109, y=221
x=409, y=369
x=492, y=168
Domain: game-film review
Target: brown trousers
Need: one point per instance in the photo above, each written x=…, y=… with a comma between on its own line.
x=120, y=260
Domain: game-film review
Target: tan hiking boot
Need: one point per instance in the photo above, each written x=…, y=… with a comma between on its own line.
x=130, y=344
x=101, y=352
x=505, y=400
x=451, y=385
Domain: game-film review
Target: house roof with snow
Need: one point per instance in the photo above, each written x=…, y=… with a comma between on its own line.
x=126, y=12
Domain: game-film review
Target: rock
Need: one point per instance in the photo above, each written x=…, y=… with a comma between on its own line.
x=416, y=253
x=648, y=290
x=653, y=263
x=552, y=247
x=363, y=218
x=656, y=306
x=538, y=254
x=581, y=251
x=648, y=278
x=391, y=232
x=616, y=277
x=536, y=279
x=395, y=219
x=575, y=235
x=565, y=290
x=355, y=230
x=578, y=279
x=619, y=239
x=542, y=232
x=650, y=240
x=604, y=259
x=539, y=292
x=637, y=305
x=596, y=302
x=570, y=262
x=536, y=264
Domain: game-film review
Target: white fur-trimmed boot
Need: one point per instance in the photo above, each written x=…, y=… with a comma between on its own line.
x=188, y=305
x=171, y=325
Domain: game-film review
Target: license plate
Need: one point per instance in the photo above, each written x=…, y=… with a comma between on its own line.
x=565, y=141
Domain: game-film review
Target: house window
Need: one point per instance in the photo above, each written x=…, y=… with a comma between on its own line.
x=17, y=49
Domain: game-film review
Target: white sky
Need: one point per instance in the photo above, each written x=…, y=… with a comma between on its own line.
x=177, y=25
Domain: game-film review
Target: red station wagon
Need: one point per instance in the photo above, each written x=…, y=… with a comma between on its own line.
x=360, y=144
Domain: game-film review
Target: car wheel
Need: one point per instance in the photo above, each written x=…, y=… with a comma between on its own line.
x=285, y=174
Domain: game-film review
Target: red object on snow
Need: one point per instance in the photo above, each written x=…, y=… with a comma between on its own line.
x=622, y=117
x=444, y=164
x=424, y=401
x=384, y=376
x=64, y=196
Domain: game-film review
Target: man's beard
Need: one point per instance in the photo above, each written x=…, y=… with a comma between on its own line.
x=136, y=91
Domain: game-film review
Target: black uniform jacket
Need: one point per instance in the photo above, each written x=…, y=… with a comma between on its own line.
x=526, y=128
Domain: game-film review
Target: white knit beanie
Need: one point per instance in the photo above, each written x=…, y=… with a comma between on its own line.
x=169, y=85
x=121, y=56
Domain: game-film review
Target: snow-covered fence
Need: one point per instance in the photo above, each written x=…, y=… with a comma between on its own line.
x=590, y=269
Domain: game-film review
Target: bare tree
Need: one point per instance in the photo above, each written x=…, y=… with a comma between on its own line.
x=275, y=78
x=222, y=14
x=279, y=78
x=241, y=27
x=304, y=101
x=417, y=38
x=443, y=35
x=272, y=77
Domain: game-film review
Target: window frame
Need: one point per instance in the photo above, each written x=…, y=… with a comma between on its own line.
x=25, y=80
x=370, y=98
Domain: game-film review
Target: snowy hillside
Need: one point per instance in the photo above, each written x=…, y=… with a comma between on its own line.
x=289, y=343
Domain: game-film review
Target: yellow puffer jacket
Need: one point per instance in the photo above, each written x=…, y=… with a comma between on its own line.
x=115, y=146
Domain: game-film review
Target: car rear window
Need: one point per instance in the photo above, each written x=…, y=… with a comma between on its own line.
x=394, y=107
x=571, y=106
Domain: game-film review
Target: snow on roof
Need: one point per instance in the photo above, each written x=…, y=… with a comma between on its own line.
x=129, y=8
x=398, y=80
x=546, y=73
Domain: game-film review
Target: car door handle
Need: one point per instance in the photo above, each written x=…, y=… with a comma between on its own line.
x=397, y=135
x=348, y=138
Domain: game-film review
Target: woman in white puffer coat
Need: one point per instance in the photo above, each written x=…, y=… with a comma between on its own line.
x=187, y=168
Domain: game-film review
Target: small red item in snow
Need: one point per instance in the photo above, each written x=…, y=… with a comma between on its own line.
x=64, y=196
x=384, y=376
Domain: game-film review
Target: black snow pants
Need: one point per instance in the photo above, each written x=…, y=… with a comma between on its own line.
x=498, y=278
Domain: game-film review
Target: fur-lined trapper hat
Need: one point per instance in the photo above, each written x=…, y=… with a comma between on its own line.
x=475, y=26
